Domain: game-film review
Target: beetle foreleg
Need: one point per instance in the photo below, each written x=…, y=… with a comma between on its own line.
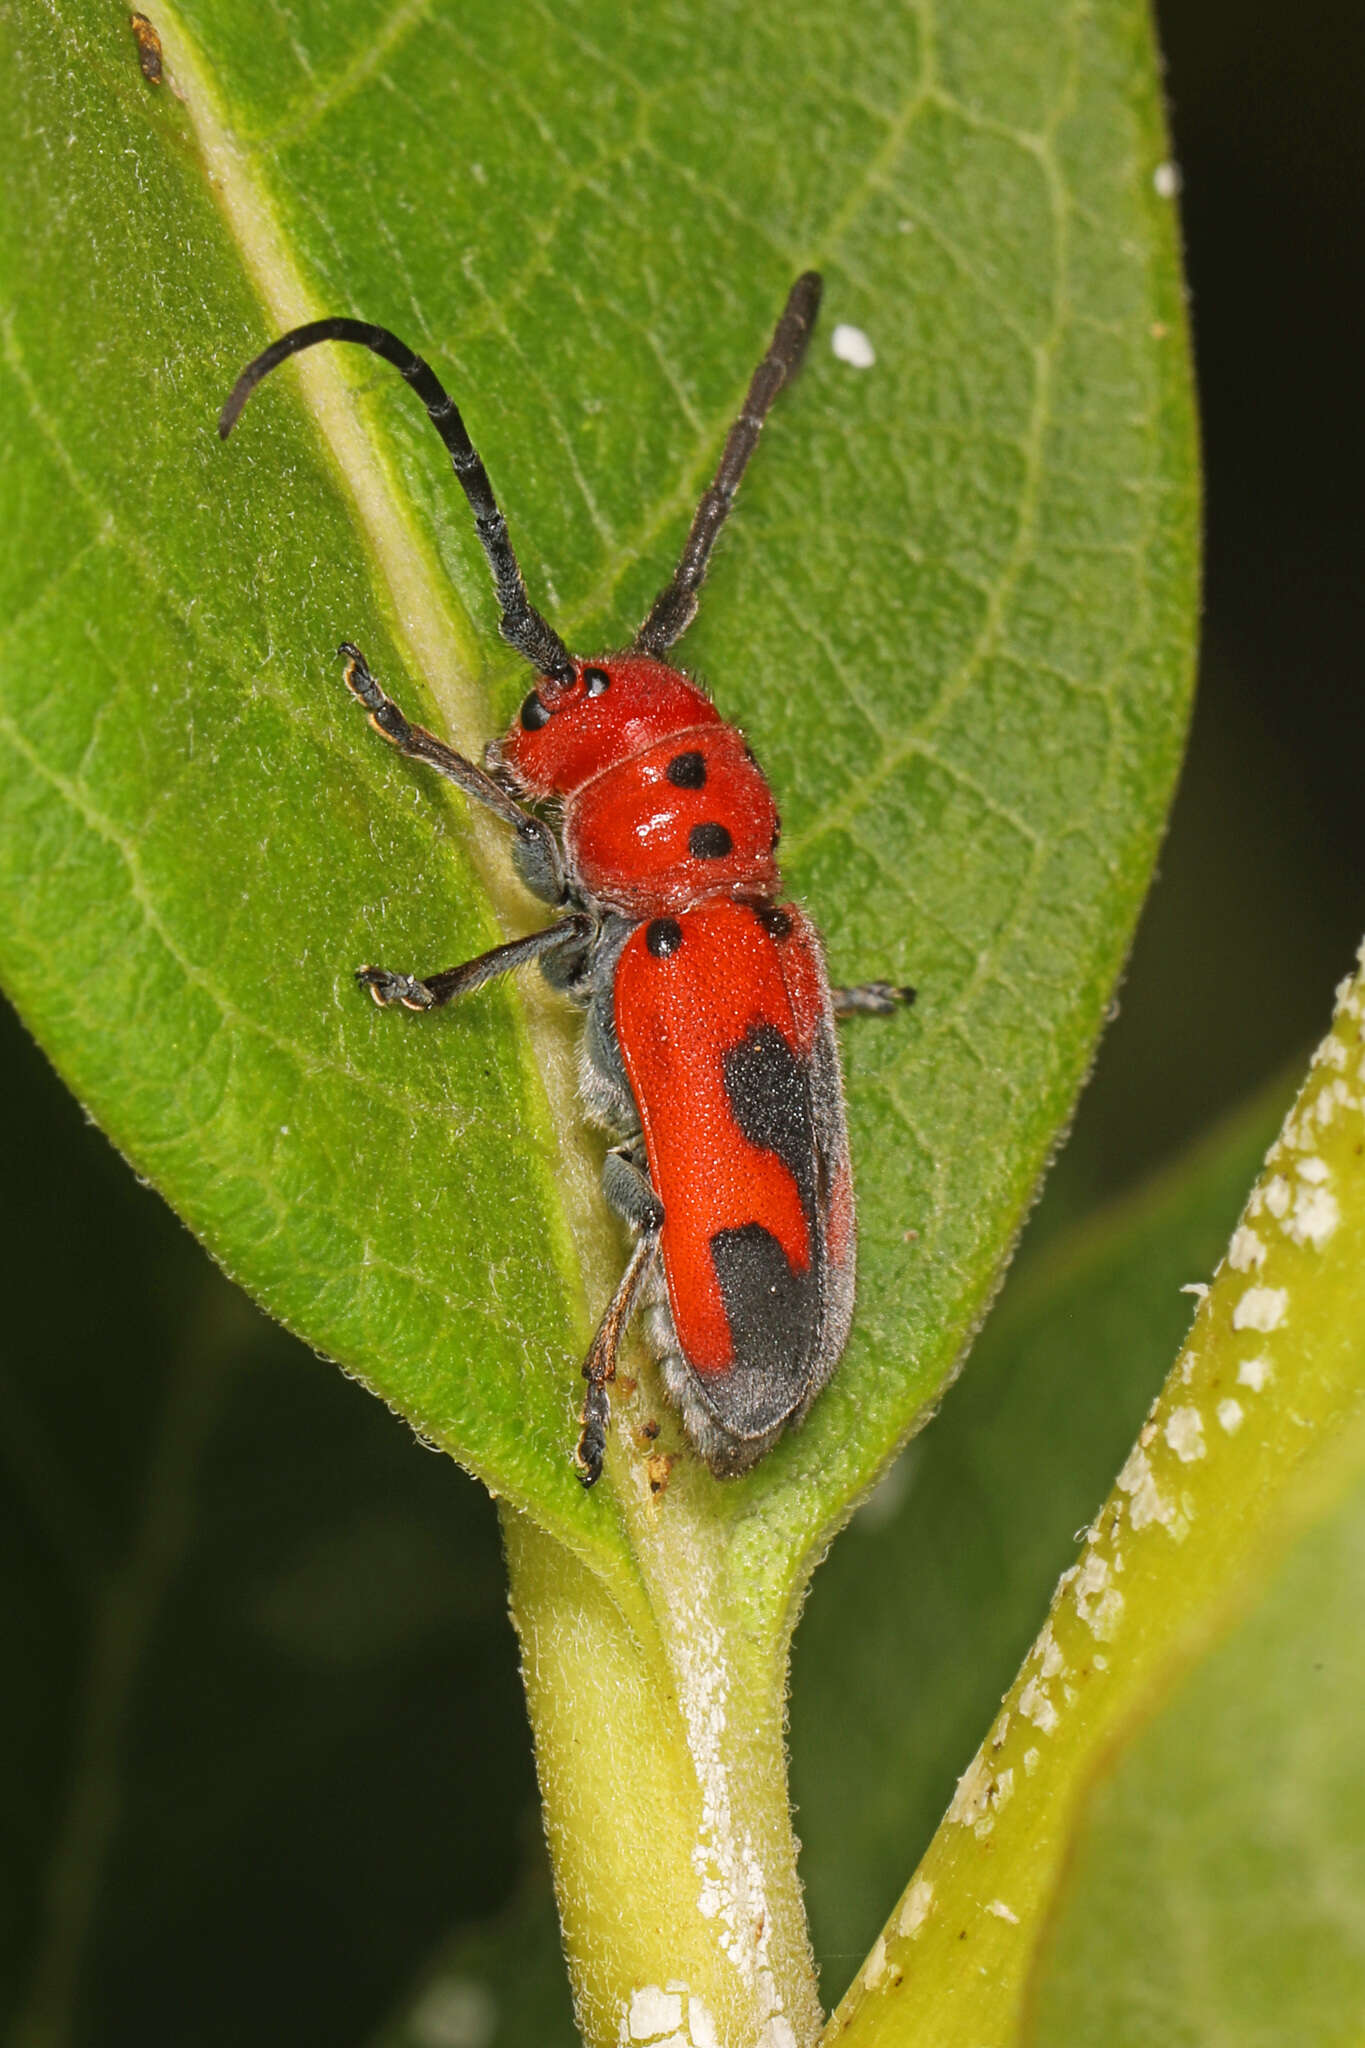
x=870, y=999
x=542, y=849
x=600, y=1364
x=436, y=989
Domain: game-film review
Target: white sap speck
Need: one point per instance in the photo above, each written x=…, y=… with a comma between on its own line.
x=852, y=346
x=1261, y=1308
x=1052, y=1661
x=1314, y=1169
x=1032, y=1759
x=778, y=2033
x=1004, y=1788
x=654, y=2012
x=701, y=2027
x=1185, y=1434
x=1090, y=1580
x=1315, y=1217
x=1230, y=1416
x=1166, y=181
x=1002, y=1912
x=876, y=1965
x=1198, y=1288
x=700, y=2024
x=1146, y=1504
x=973, y=1793
x=1105, y=1617
x=1253, y=1373
x=1246, y=1252
x=1277, y=1195
x=919, y=1903
x=1035, y=1706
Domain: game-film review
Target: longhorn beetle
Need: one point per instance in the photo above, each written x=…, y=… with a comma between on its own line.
x=708, y=1044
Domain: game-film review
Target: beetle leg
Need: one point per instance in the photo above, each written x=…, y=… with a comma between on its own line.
x=870, y=999
x=436, y=989
x=541, y=846
x=630, y=1192
x=600, y=1363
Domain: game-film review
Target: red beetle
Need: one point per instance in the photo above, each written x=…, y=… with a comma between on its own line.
x=709, y=1038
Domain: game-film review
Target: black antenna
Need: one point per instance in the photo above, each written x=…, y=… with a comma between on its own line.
x=676, y=605
x=521, y=624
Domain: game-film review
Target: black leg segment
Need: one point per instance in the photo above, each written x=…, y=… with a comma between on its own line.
x=600, y=1364
x=870, y=999
x=437, y=989
x=420, y=745
x=675, y=606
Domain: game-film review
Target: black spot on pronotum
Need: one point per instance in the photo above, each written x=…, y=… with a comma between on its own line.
x=687, y=771
x=534, y=713
x=709, y=842
x=776, y=922
x=595, y=681
x=663, y=936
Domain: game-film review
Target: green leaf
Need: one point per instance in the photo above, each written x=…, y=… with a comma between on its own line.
x=1254, y=1439
x=1218, y=1879
x=954, y=614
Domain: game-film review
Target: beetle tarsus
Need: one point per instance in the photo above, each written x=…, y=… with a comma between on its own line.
x=870, y=999
x=600, y=1364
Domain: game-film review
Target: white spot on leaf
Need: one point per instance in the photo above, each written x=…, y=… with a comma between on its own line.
x=852, y=346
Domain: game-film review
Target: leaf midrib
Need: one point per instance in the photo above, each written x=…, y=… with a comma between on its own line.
x=437, y=640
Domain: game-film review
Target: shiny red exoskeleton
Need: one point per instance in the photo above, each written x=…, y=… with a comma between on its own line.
x=709, y=1043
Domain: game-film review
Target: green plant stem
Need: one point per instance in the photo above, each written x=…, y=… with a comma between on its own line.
x=663, y=1771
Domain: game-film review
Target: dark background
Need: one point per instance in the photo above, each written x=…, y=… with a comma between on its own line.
x=267, y=1757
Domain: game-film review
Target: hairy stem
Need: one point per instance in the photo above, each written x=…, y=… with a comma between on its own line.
x=663, y=1771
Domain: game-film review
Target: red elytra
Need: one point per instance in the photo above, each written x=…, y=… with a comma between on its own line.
x=709, y=1042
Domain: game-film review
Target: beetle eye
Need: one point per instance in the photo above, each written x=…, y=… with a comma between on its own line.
x=534, y=713
x=595, y=681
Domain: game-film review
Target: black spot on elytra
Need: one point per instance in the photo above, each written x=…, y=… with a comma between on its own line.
x=768, y=1090
x=773, y=1313
x=663, y=936
x=687, y=771
x=709, y=842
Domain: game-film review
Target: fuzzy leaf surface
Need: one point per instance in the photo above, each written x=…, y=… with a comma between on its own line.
x=954, y=614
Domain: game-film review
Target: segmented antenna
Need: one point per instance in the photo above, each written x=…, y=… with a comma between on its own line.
x=676, y=605
x=521, y=624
